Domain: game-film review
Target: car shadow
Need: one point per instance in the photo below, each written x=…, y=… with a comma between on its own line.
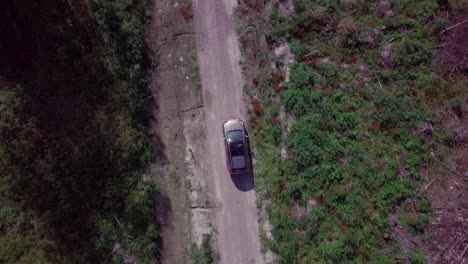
x=244, y=182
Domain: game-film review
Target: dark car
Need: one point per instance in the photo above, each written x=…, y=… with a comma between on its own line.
x=236, y=142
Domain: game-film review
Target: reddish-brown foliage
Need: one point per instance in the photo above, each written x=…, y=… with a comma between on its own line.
x=257, y=108
x=244, y=40
x=186, y=12
x=277, y=77
x=375, y=126
x=253, y=121
x=299, y=32
x=336, y=83
x=273, y=120
x=256, y=4
x=361, y=83
x=243, y=11
x=310, y=61
x=277, y=88
x=351, y=59
x=339, y=220
x=255, y=81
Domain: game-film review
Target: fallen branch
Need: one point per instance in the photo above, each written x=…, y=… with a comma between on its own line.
x=201, y=207
x=446, y=166
x=174, y=36
x=118, y=222
x=149, y=97
x=454, y=26
x=191, y=108
x=464, y=251
x=427, y=186
x=447, y=245
x=121, y=227
x=310, y=54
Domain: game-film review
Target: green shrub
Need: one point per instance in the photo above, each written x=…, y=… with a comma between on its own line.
x=269, y=132
x=273, y=111
x=299, y=49
x=414, y=222
x=314, y=221
x=419, y=9
x=458, y=4
x=195, y=253
x=417, y=258
x=439, y=24
x=301, y=76
x=310, y=12
x=412, y=51
x=15, y=248
x=396, y=108
x=424, y=81
x=337, y=250
x=280, y=26
x=346, y=31
x=296, y=101
x=204, y=254
x=329, y=71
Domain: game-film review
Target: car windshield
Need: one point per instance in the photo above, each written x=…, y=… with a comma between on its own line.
x=236, y=143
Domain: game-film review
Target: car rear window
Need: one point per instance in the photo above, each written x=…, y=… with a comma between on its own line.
x=236, y=143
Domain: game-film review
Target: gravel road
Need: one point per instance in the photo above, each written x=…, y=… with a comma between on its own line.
x=218, y=58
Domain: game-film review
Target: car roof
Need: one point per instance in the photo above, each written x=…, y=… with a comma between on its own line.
x=236, y=146
x=235, y=136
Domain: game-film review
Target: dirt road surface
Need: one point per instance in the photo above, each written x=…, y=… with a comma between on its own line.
x=218, y=58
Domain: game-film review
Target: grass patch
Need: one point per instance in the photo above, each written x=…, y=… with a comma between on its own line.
x=205, y=253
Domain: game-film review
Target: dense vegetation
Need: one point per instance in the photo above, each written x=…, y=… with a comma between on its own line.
x=362, y=89
x=72, y=141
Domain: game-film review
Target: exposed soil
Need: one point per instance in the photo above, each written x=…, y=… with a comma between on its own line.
x=447, y=187
x=448, y=190
x=452, y=50
x=177, y=112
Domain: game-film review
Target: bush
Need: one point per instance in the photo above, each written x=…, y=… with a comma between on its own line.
x=397, y=108
x=346, y=31
x=296, y=102
x=329, y=71
x=417, y=258
x=274, y=110
x=280, y=27
x=299, y=49
x=301, y=76
x=412, y=51
x=310, y=12
x=205, y=253
x=420, y=9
